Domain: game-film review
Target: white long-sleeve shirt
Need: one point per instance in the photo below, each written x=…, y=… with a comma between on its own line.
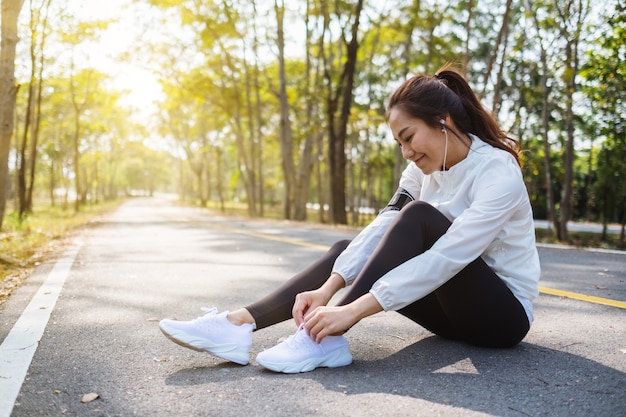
x=485, y=198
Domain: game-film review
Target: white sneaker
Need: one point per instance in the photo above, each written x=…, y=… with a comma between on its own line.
x=300, y=353
x=212, y=333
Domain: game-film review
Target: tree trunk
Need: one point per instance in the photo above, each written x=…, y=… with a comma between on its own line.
x=22, y=157
x=253, y=140
x=258, y=113
x=589, y=179
x=623, y=230
x=285, y=134
x=8, y=91
x=312, y=135
x=502, y=33
x=497, y=97
x=79, y=108
x=341, y=102
x=245, y=159
x=545, y=124
x=76, y=159
x=52, y=184
x=219, y=175
x=571, y=71
x=468, y=30
x=245, y=152
x=568, y=161
x=545, y=128
x=30, y=184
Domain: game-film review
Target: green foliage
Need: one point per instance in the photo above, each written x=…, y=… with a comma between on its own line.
x=605, y=76
x=218, y=124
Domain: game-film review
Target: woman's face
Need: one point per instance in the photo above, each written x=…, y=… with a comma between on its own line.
x=420, y=143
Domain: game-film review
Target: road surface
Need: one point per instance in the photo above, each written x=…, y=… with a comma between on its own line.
x=98, y=307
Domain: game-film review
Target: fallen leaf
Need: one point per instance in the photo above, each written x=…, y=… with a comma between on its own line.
x=87, y=398
x=600, y=287
x=153, y=319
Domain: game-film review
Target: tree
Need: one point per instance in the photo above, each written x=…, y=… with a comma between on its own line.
x=501, y=41
x=286, y=134
x=339, y=102
x=558, y=29
x=310, y=122
x=573, y=15
x=605, y=75
x=8, y=91
x=83, y=86
x=264, y=124
x=27, y=156
x=545, y=115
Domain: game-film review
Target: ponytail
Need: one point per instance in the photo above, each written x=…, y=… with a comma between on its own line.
x=448, y=93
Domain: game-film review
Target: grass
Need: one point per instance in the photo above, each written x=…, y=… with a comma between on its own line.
x=583, y=239
x=26, y=243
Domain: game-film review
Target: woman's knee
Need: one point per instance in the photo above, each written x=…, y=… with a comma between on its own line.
x=339, y=246
x=419, y=208
x=422, y=213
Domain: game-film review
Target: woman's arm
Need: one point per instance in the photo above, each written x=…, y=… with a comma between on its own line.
x=351, y=260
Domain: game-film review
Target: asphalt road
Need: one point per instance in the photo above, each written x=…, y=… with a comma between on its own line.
x=152, y=259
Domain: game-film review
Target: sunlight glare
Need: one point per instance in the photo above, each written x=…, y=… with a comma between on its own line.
x=121, y=38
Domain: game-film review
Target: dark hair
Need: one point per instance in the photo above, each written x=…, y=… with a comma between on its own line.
x=448, y=94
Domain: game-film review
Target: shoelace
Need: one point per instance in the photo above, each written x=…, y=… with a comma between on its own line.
x=208, y=313
x=299, y=340
x=209, y=310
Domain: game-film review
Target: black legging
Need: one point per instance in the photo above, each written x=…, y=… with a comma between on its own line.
x=474, y=306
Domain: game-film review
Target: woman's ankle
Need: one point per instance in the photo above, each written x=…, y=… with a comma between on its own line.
x=239, y=317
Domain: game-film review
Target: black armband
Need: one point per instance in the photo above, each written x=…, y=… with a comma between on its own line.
x=400, y=199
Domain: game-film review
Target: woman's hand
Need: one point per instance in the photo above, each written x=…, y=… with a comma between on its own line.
x=327, y=321
x=310, y=300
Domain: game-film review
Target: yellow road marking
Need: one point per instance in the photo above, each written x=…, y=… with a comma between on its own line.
x=543, y=290
x=583, y=297
x=271, y=237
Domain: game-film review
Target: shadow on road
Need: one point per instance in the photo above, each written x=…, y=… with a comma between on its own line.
x=525, y=380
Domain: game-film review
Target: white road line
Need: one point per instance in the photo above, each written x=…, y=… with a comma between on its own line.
x=18, y=348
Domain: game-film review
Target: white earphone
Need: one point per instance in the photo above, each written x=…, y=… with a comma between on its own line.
x=445, y=151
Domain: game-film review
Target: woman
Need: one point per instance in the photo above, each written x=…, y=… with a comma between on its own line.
x=454, y=250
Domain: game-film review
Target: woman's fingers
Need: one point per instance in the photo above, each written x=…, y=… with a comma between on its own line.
x=302, y=305
x=306, y=303
x=299, y=309
x=325, y=321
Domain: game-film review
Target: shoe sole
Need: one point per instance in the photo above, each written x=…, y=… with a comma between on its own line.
x=336, y=359
x=227, y=352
